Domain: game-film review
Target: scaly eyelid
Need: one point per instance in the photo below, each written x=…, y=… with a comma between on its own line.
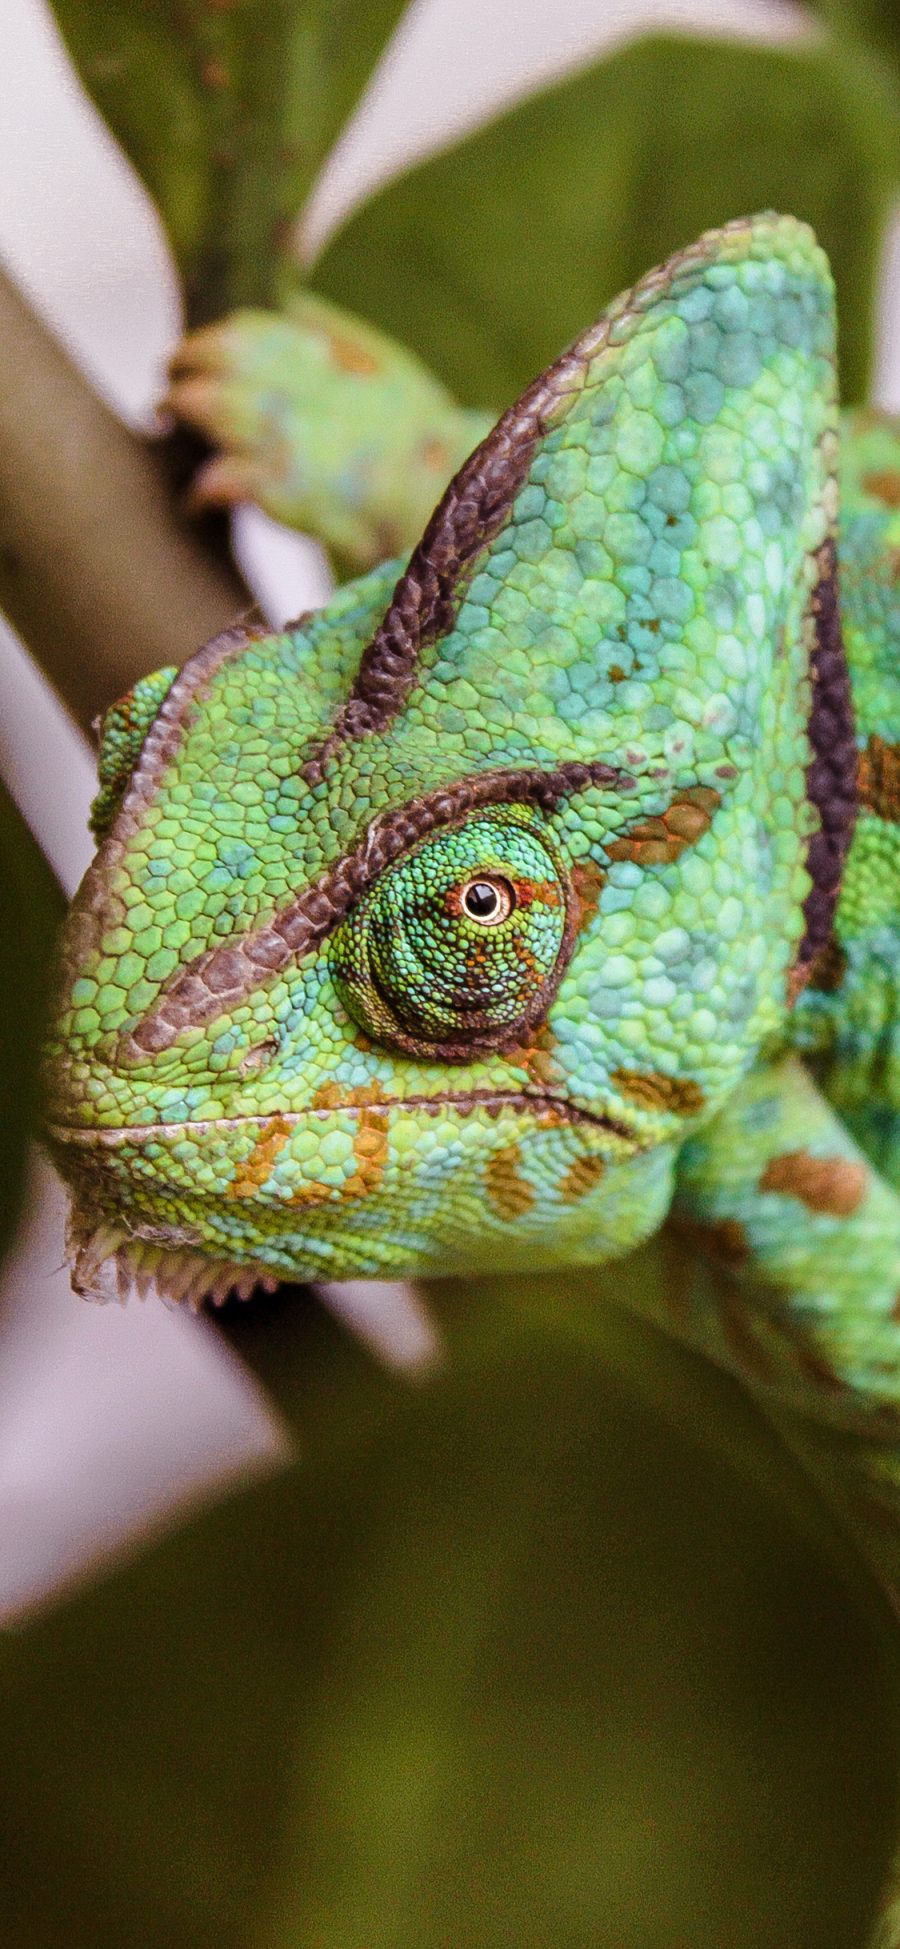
x=419, y=973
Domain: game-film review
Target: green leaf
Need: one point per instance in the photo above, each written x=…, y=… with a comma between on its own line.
x=506, y=1658
x=489, y=258
x=873, y=25
x=228, y=109
x=31, y=907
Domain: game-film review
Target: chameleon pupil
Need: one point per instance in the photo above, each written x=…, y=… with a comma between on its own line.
x=488, y=901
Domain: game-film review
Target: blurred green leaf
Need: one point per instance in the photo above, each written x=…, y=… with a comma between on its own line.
x=489, y=258
x=503, y=1659
x=873, y=24
x=31, y=907
x=228, y=109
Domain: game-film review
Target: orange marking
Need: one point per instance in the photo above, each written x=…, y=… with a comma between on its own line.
x=653, y=1091
x=878, y=778
x=834, y=1185
x=723, y=1239
x=658, y=841
x=536, y=1056
x=348, y=355
x=528, y=891
x=251, y=1175
x=215, y=75
x=798, y=978
x=370, y=1149
x=510, y=1194
x=588, y=881
x=312, y=1193
x=436, y=455
x=884, y=485
x=582, y=1176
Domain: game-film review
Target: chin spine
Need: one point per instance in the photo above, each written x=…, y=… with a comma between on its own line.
x=109, y=1264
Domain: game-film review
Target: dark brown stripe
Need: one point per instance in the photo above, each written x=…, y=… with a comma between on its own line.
x=425, y=601
x=831, y=777
x=168, y=728
x=219, y=978
x=827, y=970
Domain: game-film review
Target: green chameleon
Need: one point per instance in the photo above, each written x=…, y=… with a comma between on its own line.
x=541, y=886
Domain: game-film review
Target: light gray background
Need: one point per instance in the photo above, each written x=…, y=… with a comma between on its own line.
x=110, y=1419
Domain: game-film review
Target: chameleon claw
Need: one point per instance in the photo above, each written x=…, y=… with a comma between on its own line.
x=197, y=400
x=209, y=349
x=224, y=481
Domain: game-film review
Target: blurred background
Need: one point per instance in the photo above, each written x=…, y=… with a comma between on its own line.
x=111, y=1420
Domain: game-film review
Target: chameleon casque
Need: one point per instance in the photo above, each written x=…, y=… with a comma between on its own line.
x=483, y=917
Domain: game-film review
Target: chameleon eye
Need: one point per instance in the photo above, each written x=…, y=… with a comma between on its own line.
x=458, y=947
x=488, y=901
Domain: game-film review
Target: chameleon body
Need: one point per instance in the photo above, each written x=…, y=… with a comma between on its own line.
x=545, y=884
x=287, y=1042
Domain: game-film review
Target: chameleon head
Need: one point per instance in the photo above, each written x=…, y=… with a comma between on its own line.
x=420, y=932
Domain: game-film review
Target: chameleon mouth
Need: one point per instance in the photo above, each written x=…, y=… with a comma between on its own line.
x=114, y=1251
x=548, y=1109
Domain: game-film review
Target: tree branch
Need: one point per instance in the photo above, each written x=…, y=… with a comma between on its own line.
x=96, y=573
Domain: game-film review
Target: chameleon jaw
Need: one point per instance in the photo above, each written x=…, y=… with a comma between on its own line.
x=114, y=1251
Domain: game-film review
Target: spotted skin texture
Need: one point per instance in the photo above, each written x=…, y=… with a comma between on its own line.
x=477, y=921
x=778, y=1169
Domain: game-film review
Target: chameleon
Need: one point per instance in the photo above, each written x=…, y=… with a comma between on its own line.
x=545, y=884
